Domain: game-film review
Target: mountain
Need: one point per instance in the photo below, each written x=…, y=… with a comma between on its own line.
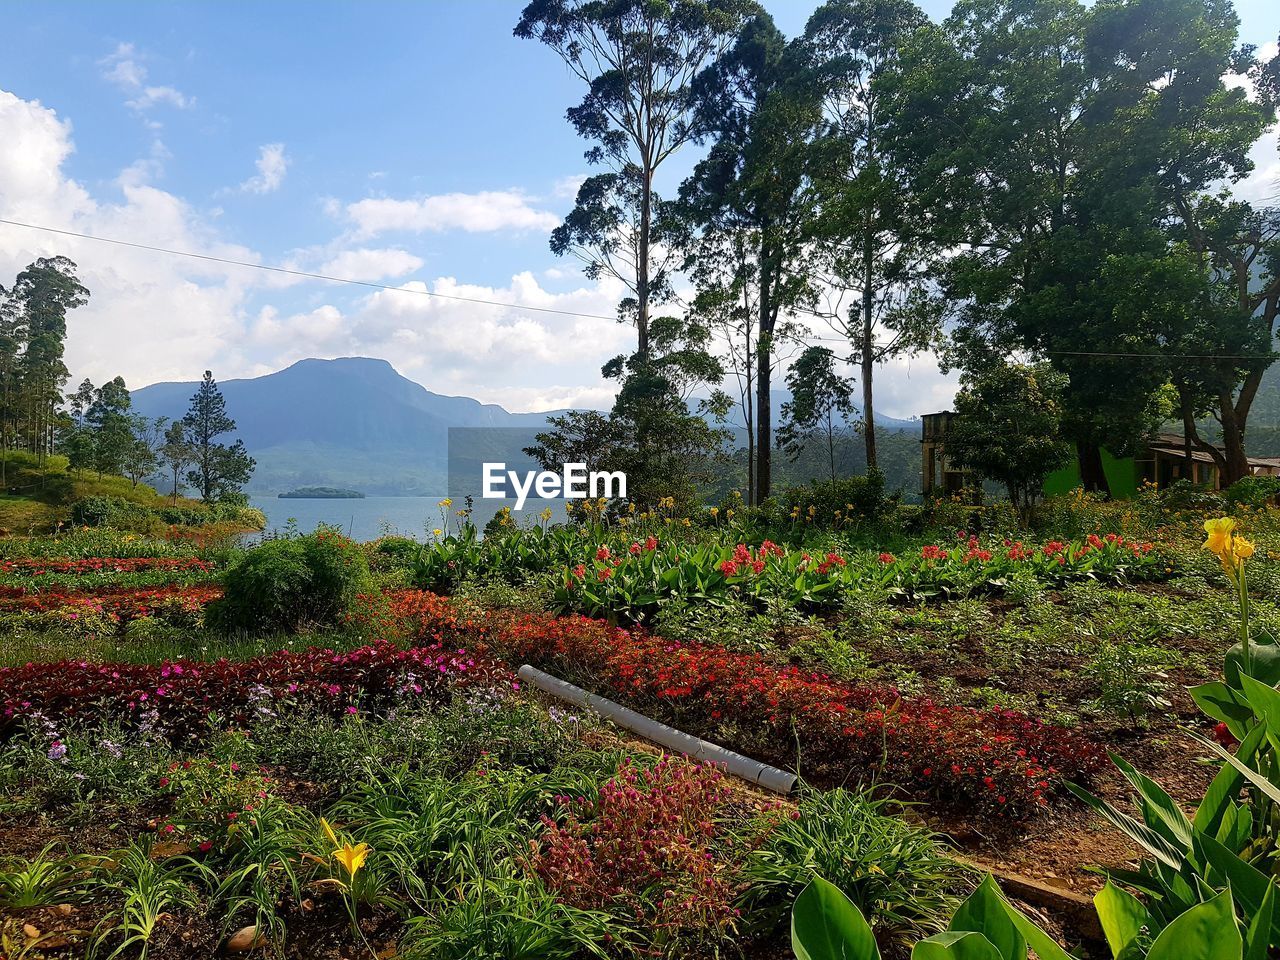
x=356, y=423
x=352, y=422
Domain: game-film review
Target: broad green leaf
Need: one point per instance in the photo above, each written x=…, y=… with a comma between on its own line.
x=1261, y=932
x=1264, y=657
x=1264, y=701
x=1160, y=811
x=955, y=945
x=1224, y=704
x=1249, y=886
x=1121, y=914
x=1226, y=785
x=825, y=925
x=1140, y=833
x=986, y=912
x=1270, y=789
x=1208, y=931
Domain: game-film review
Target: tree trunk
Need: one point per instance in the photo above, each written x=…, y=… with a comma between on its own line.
x=868, y=353
x=1236, y=465
x=1092, y=476
x=642, y=268
x=764, y=419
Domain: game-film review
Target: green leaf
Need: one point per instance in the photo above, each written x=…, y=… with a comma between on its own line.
x=1159, y=810
x=1249, y=886
x=1226, y=785
x=1270, y=789
x=1208, y=931
x=1224, y=704
x=1140, y=833
x=986, y=912
x=1122, y=916
x=955, y=945
x=1263, y=700
x=1261, y=932
x=825, y=925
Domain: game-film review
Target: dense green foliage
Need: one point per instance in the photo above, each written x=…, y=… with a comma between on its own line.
x=292, y=582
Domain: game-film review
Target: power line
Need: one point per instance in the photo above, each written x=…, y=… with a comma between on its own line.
x=287, y=271
x=303, y=273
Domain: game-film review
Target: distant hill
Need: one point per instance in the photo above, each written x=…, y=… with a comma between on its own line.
x=353, y=422
x=356, y=423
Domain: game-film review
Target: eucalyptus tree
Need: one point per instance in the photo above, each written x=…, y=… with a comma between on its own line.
x=44, y=292
x=639, y=60
x=749, y=216
x=878, y=242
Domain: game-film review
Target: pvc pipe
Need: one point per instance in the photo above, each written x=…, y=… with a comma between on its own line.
x=753, y=771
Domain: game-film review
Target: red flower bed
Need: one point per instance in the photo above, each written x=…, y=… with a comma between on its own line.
x=178, y=695
x=996, y=761
x=36, y=566
x=125, y=603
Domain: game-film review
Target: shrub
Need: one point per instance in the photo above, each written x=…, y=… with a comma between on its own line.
x=839, y=502
x=648, y=851
x=897, y=873
x=1254, y=491
x=289, y=583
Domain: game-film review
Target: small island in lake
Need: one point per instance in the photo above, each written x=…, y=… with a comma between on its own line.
x=321, y=493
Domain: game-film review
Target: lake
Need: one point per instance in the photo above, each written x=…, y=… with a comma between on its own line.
x=371, y=517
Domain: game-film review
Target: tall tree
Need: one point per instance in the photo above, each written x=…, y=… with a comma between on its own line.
x=1180, y=120
x=109, y=422
x=1035, y=129
x=879, y=242
x=639, y=60
x=748, y=214
x=45, y=291
x=820, y=406
x=142, y=456
x=218, y=469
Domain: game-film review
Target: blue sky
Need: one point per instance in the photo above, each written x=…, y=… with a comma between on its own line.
x=401, y=142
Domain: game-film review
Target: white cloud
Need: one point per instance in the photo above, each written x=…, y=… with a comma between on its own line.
x=473, y=212
x=179, y=316
x=366, y=264
x=272, y=164
x=566, y=188
x=1262, y=185
x=122, y=68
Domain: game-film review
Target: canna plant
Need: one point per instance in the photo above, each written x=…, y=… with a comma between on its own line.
x=1228, y=847
x=826, y=925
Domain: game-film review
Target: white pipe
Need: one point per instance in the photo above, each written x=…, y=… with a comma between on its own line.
x=761, y=774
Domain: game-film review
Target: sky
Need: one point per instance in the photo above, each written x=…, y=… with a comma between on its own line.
x=414, y=144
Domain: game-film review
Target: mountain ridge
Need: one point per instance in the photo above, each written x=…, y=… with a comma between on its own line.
x=352, y=422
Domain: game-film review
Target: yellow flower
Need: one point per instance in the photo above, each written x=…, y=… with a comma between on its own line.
x=728, y=514
x=715, y=511
x=1243, y=549
x=437, y=532
x=447, y=502
x=546, y=514
x=1219, y=539
x=352, y=858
